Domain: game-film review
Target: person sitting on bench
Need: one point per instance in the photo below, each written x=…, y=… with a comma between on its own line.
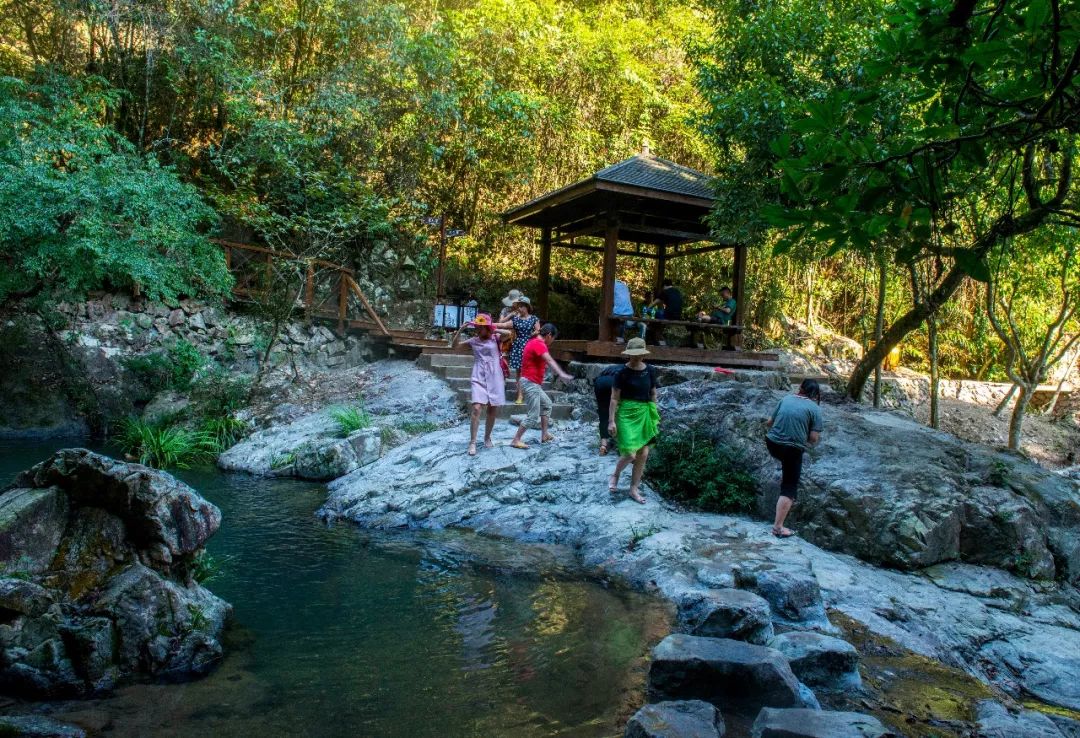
x=722, y=314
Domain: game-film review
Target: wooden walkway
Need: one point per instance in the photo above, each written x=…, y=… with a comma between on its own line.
x=328, y=292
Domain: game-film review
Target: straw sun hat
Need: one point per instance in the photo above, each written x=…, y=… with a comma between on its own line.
x=511, y=297
x=636, y=347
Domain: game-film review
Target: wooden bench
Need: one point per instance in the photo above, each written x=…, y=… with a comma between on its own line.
x=727, y=330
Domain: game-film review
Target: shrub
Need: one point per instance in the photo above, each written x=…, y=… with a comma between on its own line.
x=163, y=447
x=350, y=418
x=184, y=362
x=218, y=392
x=688, y=467
x=223, y=432
x=153, y=370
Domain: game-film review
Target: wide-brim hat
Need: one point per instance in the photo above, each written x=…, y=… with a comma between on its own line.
x=522, y=300
x=511, y=297
x=481, y=320
x=636, y=347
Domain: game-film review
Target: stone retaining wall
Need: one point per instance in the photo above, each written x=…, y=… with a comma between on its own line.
x=119, y=326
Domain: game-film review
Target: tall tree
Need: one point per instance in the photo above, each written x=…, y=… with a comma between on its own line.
x=958, y=134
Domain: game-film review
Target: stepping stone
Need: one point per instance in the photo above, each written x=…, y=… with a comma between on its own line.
x=726, y=613
x=801, y=723
x=820, y=660
x=730, y=674
x=684, y=719
x=793, y=593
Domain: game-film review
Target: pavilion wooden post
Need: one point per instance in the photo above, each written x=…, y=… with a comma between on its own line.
x=739, y=277
x=607, y=302
x=545, y=274
x=661, y=267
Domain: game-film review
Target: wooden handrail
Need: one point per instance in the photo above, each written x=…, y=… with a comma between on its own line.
x=364, y=301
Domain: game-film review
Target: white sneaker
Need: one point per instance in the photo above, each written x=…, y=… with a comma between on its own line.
x=661, y=343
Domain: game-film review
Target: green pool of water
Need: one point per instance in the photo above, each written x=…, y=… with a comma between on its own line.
x=342, y=632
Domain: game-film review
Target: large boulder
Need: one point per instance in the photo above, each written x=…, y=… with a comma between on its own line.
x=31, y=524
x=800, y=723
x=792, y=592
x=729, y=674
x=106, y=592
x=162, y=516
x=686, y=719
x=820, y=661
x=892, y=492
x=726, y=613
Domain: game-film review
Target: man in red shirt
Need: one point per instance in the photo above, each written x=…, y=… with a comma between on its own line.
x=534, y=362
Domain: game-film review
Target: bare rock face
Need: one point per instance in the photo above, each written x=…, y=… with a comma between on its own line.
x=685, y=719
x=96, y=561
x=817, y=724
x=729, y=674
x=892, y=492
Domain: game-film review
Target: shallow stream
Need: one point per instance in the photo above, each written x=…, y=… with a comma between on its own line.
x=341, y=632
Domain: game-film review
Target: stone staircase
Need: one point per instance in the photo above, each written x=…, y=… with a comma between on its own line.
x=456, y=370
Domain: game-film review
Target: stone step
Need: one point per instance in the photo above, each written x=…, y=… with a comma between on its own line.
x=515, y=413
x=464, y=383
x=465, y=393
x=448, y=360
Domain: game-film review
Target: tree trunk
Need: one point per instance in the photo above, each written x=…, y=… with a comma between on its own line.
x=935, y=375
x=904, y=325
x=1005, y=401
x=1017, y=420
x=1061, y=383
x=879, y=327
x=912, y=319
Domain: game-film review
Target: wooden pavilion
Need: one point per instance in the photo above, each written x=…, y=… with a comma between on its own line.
x=643, y=207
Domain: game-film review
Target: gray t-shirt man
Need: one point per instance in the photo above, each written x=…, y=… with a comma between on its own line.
x=793, y=420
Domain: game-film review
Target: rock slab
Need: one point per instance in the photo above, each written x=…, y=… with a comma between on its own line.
x=729, y=674
x=820, y=661
x=801, y=723
x=683, y=719
x=107, y=592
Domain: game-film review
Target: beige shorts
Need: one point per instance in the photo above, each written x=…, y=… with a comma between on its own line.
x=538, y=402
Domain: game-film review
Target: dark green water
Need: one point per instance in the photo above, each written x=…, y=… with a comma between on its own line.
x=341, y=632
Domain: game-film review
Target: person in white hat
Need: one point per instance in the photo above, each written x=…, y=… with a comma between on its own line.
x=525, y=325
x=634, y=421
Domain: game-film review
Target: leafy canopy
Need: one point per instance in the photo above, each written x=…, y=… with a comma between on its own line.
x=80, y=209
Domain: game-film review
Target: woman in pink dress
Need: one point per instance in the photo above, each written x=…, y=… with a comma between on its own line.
x=488, y=383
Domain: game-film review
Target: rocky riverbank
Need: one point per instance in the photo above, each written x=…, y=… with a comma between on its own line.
x=981, y=547
x=99, y=569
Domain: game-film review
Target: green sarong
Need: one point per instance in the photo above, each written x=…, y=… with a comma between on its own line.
x=636, y=425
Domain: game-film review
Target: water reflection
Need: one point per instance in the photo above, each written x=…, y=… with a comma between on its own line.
x=342, y=632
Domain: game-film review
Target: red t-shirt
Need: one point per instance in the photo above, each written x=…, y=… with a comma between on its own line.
x=533, y=365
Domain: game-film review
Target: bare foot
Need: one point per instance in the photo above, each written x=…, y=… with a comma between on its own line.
x=472, y=449
x=547, y=439
x=488, y=443
x=636, y=496
x=613, y=484
x=603, y=448
x=783, y=532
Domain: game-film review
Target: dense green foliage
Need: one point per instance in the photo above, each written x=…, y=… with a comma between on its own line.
x=82, y=209
x=849, y=136
x=164, y=446
x=689, y=467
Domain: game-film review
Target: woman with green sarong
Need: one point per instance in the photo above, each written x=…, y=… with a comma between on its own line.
x=635, y=421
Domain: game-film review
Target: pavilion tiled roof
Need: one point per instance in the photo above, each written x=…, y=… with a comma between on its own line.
x=646, y=170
